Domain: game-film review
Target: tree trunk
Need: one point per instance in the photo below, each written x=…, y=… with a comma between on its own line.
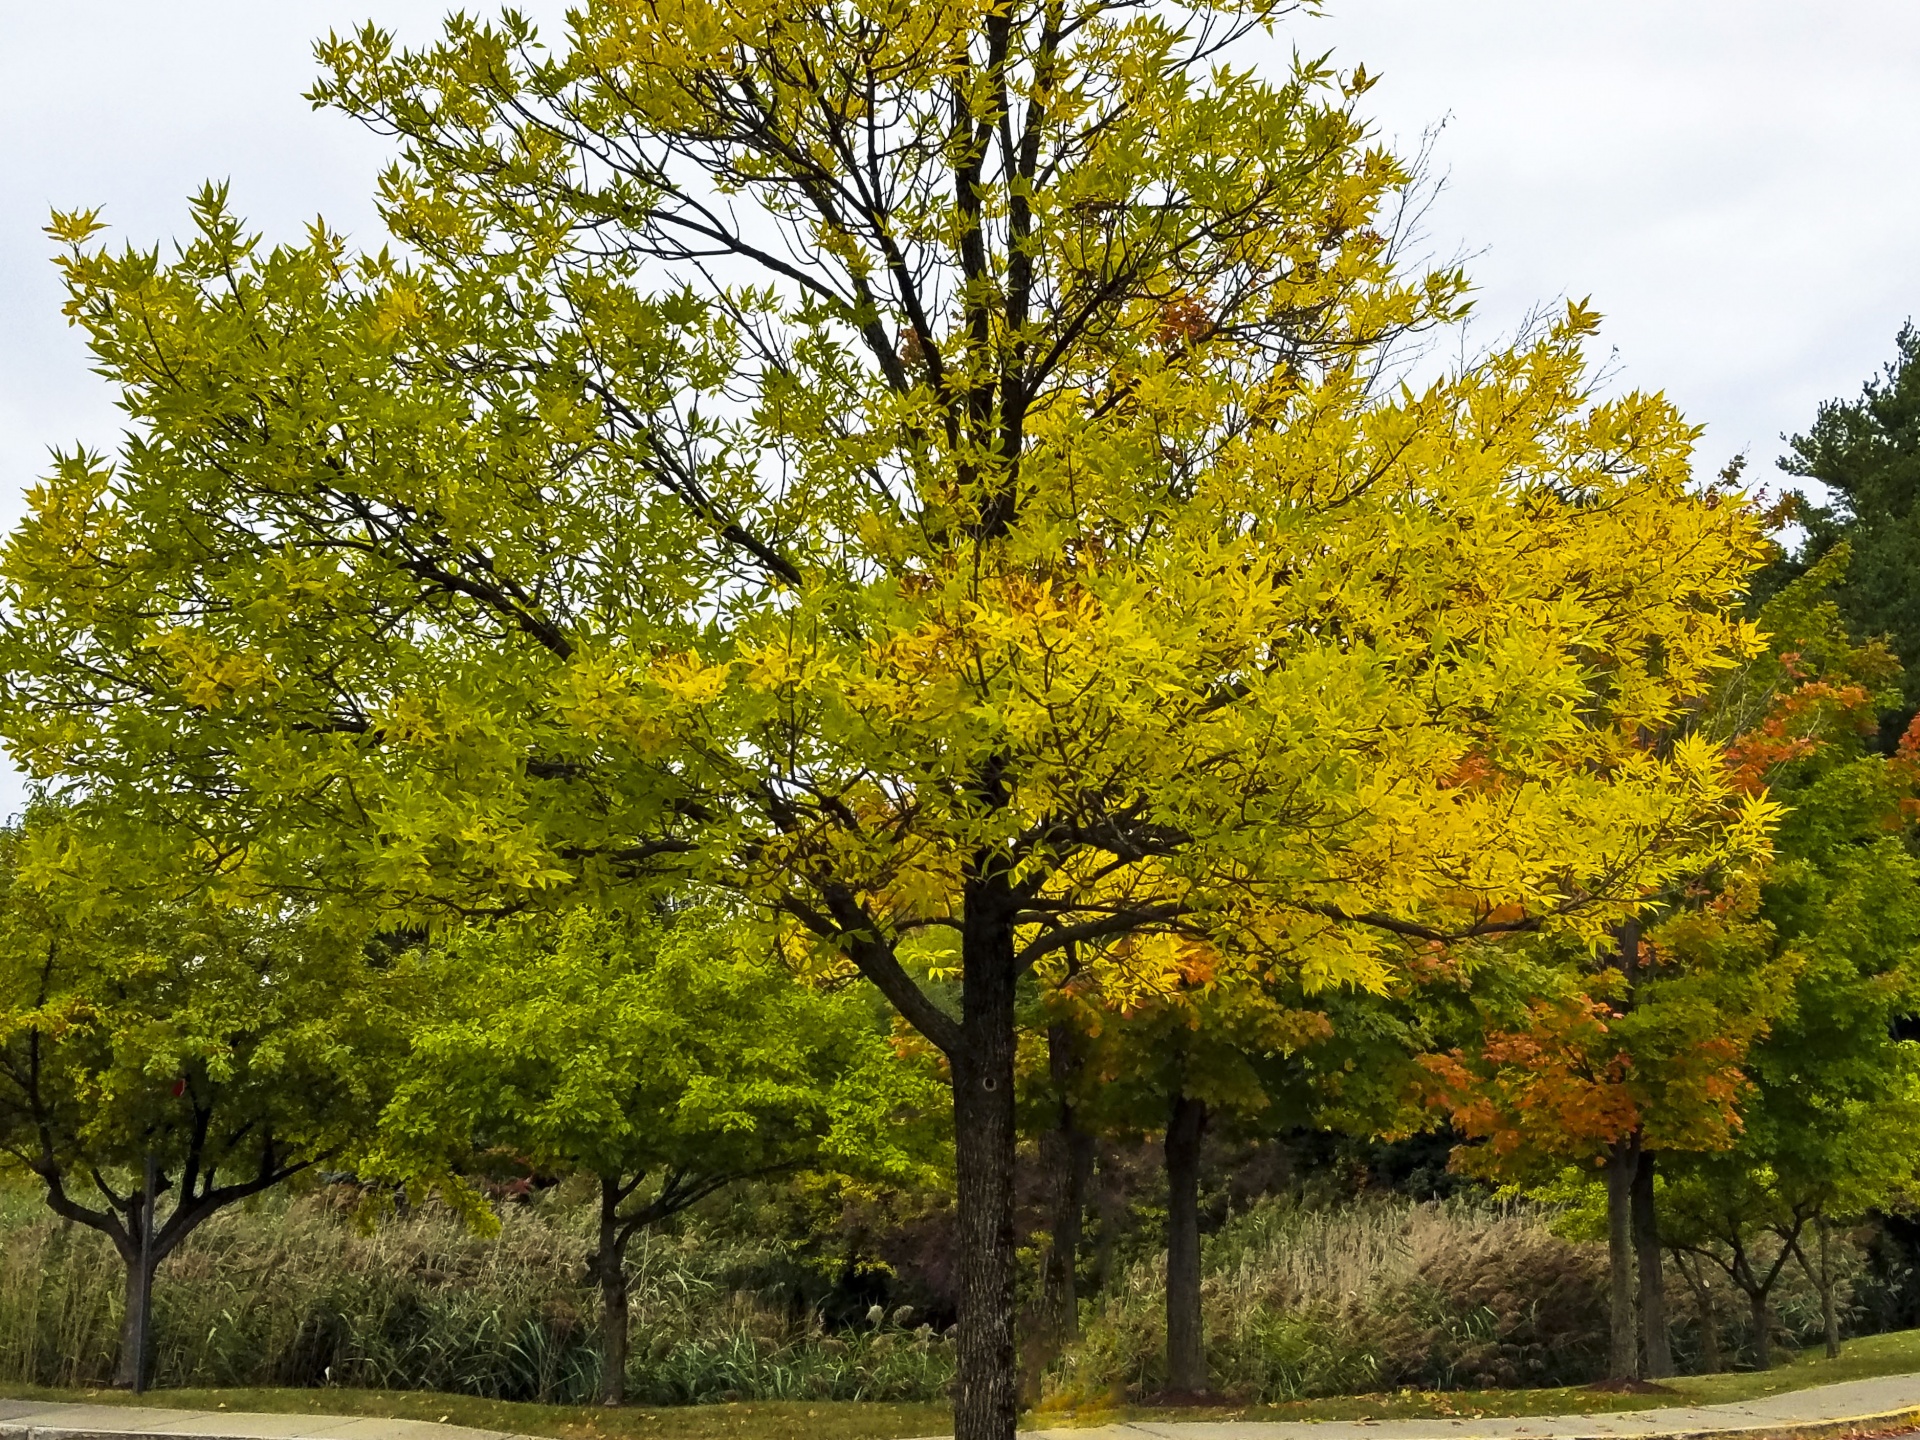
x=1829, y=1317
x=135, y=1367
x=1052, y=1321
x=1109, y=1208
x=1186, y=1346
x=1071, y=1165
x=1653, y=1288
x=610, y=1266
x=1710, y=1360
x=1622, y=1358
x=985, y=1390
x=1762, y=1330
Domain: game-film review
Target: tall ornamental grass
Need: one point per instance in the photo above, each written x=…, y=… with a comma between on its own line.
x=1389, y=1294
x=1298, y=1302
x=293, y=1293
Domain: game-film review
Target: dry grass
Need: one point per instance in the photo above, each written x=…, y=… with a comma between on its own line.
x=295, y=1294
x=1305, y=1303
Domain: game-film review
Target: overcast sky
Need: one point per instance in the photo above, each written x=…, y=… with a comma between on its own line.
x=1730, y=181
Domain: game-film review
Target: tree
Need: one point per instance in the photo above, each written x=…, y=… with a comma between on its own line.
x=1201, y=1047
x=1758, y=1054
x=1866, y=453
x=924, y=468
x=1594, y=1062
x=164, y=1056
x=655, y=1055
x=1178, y=1040
x=1830, y=1123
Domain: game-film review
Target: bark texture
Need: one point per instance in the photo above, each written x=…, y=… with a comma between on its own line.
x=1070, y=1163
x=1762, y=1330
x=985, y=1403
x=1829, y=1317
x=610, y=1266
x=1622, y=1352
x=1186, y=1346
x=1649, y=1255
x=140, y=1253
x=134, y=1367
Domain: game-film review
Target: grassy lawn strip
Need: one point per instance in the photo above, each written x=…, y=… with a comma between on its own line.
x=1861, y=1359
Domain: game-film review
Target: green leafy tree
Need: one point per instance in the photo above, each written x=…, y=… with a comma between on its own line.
x=1865, y=453
x=1201, y=1055
x=1829, y=1127
x=164, y=1056
x=923, y=468
x=657, y=1056
x=1176, y=1041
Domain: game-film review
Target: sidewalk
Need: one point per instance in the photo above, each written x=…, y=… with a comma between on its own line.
x=47, y=1420
x=1889, y=1403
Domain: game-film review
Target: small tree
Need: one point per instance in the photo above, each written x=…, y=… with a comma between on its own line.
x=1176, y=1038
x=1597, y=1061
x=653, y=1054
x=163, y=1057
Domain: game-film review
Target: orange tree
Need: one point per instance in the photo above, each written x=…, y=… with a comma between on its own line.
x=1647, y=1047
x=924, y=468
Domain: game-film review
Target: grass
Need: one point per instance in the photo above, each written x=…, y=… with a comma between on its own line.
x=1869, y=1356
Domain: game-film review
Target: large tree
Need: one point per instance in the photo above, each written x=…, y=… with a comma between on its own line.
x=927, y=468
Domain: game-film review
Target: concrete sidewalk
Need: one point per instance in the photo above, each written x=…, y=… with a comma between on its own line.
x=1890, y=1403
x=48, y=1420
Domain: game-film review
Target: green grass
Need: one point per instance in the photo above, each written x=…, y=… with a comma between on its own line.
x=1860, y=1359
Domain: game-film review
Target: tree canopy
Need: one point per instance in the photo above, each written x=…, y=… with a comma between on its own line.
x=1865, y=454
x=655, y=1054
x=164, y=1055
x=928, y=470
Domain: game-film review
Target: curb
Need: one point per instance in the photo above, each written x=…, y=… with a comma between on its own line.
x=1864, y=1427
x=1890, y=1422
x=329, y=1428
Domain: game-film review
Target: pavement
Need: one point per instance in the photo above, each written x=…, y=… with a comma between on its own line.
x=1888, y=1404
x=46, y=1420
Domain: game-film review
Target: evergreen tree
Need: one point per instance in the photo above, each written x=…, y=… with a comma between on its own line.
x=1866, y=452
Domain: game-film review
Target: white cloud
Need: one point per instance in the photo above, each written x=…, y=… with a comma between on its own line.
x=1729, y=180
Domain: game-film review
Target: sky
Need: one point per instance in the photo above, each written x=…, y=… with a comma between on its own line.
x=1729, y=181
